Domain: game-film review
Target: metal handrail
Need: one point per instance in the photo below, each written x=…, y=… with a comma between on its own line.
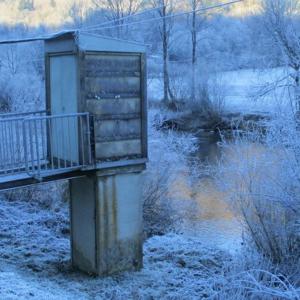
x=20, y=114
x=39, y=145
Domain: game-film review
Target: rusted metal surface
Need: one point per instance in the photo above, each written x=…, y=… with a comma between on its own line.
x=119, y=149
x=114, y=130
x=113, y=90
x=116, y=88
x=123, y=106
x=107, y=65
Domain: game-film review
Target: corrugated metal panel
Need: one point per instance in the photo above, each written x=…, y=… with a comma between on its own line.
x=113, y=94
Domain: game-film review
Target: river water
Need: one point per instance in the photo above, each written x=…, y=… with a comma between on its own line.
x=209, y=218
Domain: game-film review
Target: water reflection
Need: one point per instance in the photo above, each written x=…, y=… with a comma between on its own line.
x=208, y=149
x=209, y=216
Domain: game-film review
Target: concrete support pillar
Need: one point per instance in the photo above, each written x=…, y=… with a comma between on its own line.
x=106, y=221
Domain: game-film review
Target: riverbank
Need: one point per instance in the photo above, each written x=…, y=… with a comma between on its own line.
x=195, y=121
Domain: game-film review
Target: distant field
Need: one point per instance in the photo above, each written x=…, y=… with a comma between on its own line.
x=242, y=89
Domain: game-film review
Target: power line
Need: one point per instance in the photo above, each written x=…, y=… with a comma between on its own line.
x=42, y=38
x=122, y=19
x=168, y=16
x=34, y=39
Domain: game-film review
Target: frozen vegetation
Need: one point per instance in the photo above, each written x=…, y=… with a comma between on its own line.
x=184, y=261
x=221, y=210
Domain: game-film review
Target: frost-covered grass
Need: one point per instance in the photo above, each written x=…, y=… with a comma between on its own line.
x=35, y=264
x=34, y=227
x=256, y=90
x=35, y=261
x=252, y=277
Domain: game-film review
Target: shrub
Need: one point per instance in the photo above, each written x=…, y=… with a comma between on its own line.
x=262, y=184
x=48, y=196
x=6, y=100
x=251, y=277
x=209, y=97
x=167, y=158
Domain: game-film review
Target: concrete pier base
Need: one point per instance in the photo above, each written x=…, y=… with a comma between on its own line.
x=106, y=221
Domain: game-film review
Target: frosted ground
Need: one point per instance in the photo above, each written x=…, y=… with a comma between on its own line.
x=245, y=91
x=34, y=261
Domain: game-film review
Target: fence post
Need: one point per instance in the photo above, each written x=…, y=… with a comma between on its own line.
x=25, y=146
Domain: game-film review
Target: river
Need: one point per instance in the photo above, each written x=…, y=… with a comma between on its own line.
x=208, y=215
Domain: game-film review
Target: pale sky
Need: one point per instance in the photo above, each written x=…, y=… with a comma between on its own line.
x=44, y=13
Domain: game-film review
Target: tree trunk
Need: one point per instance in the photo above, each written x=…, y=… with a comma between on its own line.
x=194, y=48
x=297, y=93
x=165, y=57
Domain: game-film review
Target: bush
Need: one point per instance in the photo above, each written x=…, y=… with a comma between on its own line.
x=251, y=277
x=48, y=196
x=5, y=102
x=158, y=211
x=167, y=158
x=209, y=97
x=262, y=184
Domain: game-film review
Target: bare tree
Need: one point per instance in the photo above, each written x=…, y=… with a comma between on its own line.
x=282, y=23
x=165, y=9
x=117, y=10
x=78, y=13
x=195, y=23
x=12, y=60
x=26, y=5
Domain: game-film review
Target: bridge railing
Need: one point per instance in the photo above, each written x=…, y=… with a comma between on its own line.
x=22, y=114
x=41, y=145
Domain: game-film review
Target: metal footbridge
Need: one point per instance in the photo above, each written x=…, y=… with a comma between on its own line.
x=36, y=147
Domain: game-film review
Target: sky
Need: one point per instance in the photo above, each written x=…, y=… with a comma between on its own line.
x=56, y=12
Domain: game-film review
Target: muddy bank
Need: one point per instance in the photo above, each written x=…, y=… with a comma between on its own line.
x=193, y=122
